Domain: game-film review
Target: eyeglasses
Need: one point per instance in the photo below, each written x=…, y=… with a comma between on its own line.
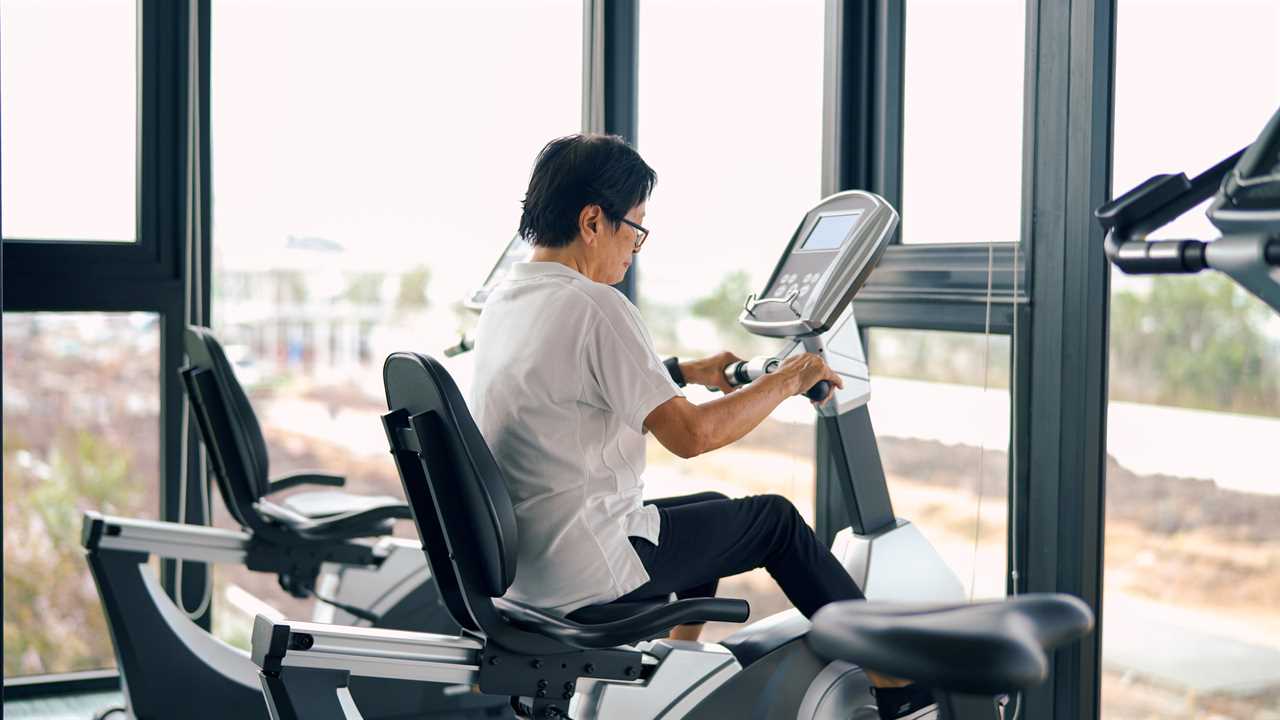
x=641, y=235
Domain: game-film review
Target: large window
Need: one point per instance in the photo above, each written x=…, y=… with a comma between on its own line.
x=940, y=408
x=1192, y=583
x=369, y=160
x=68, y=75
x=735, y=135
x=81, y=429
x=962, y=121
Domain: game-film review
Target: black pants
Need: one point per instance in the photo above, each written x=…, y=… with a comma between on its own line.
x=707, y=536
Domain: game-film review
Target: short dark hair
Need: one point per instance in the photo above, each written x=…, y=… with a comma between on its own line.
x=579, y=170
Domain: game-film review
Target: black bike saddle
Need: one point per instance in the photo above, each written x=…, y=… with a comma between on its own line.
x=983, y=648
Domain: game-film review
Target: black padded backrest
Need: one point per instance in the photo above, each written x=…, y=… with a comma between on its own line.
x=246, y=441
x=206, y=406
x=405, y=449
x=472, y=504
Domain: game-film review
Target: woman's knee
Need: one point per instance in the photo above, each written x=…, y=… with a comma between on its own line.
x=779, y=506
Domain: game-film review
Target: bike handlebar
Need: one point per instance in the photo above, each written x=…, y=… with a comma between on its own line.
x=746, y=371
x=1153, y=204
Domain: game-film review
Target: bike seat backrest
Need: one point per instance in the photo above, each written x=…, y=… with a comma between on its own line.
x=228, y=427
x=983, y=648
x=467, y=524
x=468, y=503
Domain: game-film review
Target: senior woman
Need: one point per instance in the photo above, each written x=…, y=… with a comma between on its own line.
x=567, y=382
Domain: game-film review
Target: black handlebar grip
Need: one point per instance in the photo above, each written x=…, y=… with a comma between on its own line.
x=736, y=373
x=819, y=391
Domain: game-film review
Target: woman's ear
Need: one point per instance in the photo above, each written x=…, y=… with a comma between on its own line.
x=589, y=223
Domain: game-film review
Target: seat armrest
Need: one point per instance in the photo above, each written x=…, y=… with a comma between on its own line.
x=370, y=518
x=306, y=478
x=362, y=523
x=642, y=626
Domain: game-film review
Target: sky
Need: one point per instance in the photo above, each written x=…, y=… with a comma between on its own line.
x=406, y=130
x=68, y=88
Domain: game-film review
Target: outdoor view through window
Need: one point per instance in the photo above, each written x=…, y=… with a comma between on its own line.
x=81, y=432
x=1191, y=616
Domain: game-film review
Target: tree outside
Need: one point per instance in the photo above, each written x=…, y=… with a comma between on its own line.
x=81, y=432
x=1198, y=342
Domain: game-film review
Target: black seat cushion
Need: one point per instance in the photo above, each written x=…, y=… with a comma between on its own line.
x=763, y=637
x=368, y=522
x=984, y=648
x=625, y=623
x=324, y=503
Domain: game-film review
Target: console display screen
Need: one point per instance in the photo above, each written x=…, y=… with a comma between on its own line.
x=830, y=231
x=518, y=250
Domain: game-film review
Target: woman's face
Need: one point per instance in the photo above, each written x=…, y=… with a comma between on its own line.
x=615, y=248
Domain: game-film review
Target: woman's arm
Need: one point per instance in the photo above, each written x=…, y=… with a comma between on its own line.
x=689, y=430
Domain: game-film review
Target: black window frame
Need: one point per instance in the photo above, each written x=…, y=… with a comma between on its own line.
x=146, y=275
x=145, y=255
x=1051, y=285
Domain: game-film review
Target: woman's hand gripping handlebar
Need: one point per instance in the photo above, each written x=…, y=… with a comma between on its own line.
x=811, y=373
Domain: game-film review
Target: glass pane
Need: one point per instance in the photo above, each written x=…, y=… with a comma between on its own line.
x=1191, y=625
x=726, y=203
x=940, y=407
x=68, y=85
x=346, y=230
x=81, y=432
x=962, y=121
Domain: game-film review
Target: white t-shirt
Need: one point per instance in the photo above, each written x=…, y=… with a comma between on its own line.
x=565, y=375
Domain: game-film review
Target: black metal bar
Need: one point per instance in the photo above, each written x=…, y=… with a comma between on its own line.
x=1019, y=465
x=621, y=68
x=949, y=315
x=849, y=71
x=945, y=287
x=861, y=148
x=73, y=683
x=891, y=34
x=854, y=459
x=1071, y=58
x=175, y=193
x=621, y=93
x=66, y=293
x=205, y=198
x=862, y=97
x=151, y=256
x=966, y=272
